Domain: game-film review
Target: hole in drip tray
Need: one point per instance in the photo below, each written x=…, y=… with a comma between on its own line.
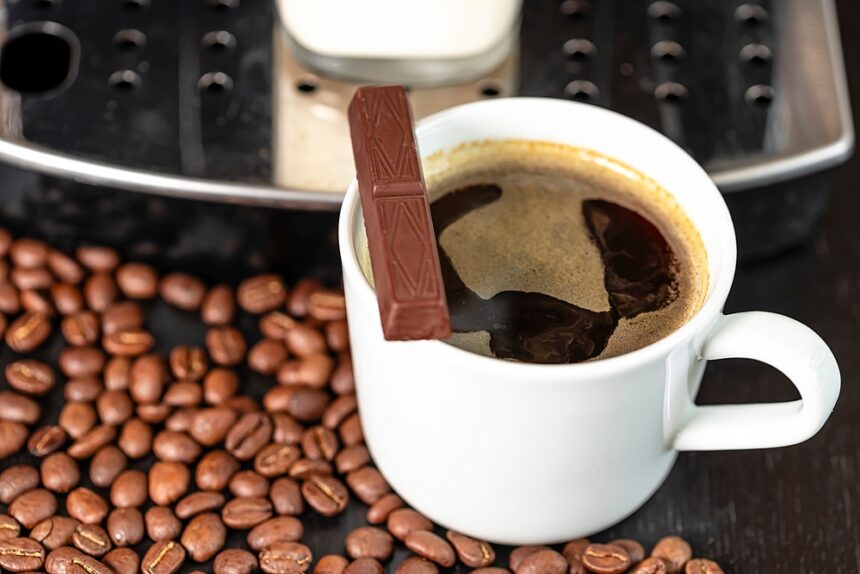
x=751, y=15
x=215, y=84
x=134, y=5
x=45, y=4
x=759, y=96
x=575, y=9
x=129, y=40
x=582, y=91
x=219, y=41
x=307, y=85
x=755, y=54
x=39, y=57
x=125, y=81
x=223, y=5
x=490, y=90
x=579, y=49
x=671, y=93
x=667, y=51
x=664, y=11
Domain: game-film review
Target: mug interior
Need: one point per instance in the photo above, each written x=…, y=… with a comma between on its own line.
x=584, y=126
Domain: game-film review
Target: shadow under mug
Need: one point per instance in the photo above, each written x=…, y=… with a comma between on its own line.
x=523, y=454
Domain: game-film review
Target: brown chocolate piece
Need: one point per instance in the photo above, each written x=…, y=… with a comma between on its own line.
x=400, y=236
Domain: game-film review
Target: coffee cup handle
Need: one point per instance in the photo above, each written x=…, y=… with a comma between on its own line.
x=789, y=346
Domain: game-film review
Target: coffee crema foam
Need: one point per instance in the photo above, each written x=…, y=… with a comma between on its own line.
x=534, y=237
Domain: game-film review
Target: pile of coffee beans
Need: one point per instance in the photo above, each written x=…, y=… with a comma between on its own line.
x=120, y=452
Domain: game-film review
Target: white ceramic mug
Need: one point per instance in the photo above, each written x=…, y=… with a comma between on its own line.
x=521, y=453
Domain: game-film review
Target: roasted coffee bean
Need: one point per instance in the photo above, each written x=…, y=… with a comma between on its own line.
x=342, y=380
x=286, y=497
x=99, y=291
x=473, y=553
x=520, y=553
x=82, y=390
x=148, y=375
x=297, y=302
x=279, y=529
x=188, y=363
x=248, y=435
x=59, y=561
x=235, y=561
x=85, y=564
x=60, y=472
x=36, y=278
x=286, y=558
x=651, y=565
x=64, y=267
x=10, y=302
x=364, y=566
x=248, y=484
x=368, y=484
x=380, y=510
x=153, y=414
x=183, y=394
x=275, y=325
x=199, y=502
x=327, y=305
x=98, y=258
x=306, y=467
x=338, y=410
x=242, y=513
x=55, y=531
x=605, y=559
x=78, y=362
x=30, y=377
x=182, y=290
x=350, y=430
x=123, y=316
x=204, y=536
x=175, y=447
x=88, y=444
x=81, y=328
x=91, y=539
x=432, y=547
x=418, y=565
x=128, y=342
x=219, y=385
x=77, y=418
x=36, y=301
x=210, y=426
x=702, y=566
x=28, y=332
x=107, y=464
x=67, y=298
x=301, y=403
x=337, y=335
x=21, y=555
x=543, y=562
x=573, y=552
x=304, y=340
x=180, y=420
x=32, y=507
x=12, y=438
x=164, y=557
x=46, y=440
x=129, y=489
x=265, y=356
x=326, y=494
x=331, y=564
x=242, y=404
x=634, y=550
x=168, y=482
x=404, y=521
x=369, y=542
x=351, y=458
x=114, y=407
x=137, y=281
x=17, y=480
x=261, y=293
x=215, y=470
x=117, y=373
x=135, y=440
x=226, y=345
x=319, y=443
x=275, y=459
x=675, y=551
x=87, y=506
x=9, y=527
x=122, y=561
x=312, y=371
x=218, y=307
x=287, y=430
x=161, y=524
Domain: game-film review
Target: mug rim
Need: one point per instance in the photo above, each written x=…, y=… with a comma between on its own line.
x=715, y=296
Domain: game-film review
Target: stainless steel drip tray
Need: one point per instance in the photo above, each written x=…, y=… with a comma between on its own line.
x=205, y=100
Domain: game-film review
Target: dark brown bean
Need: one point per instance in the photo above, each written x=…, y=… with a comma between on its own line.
x=301, y=403
x=520, y=553
x=98, y=258
x=266, y=355
x=543, y=562
x=199, y=502
x=122, y=561
x=175, y=446
x=182, y=290
x=32, y=507
x=286, y=497
x=183, y=394
x=634, y=550
x=87, y=506
x=402, y=522
x=331, y=564
x=320, y=443
x=242, y=513
x=106, y=465
x=64, y=267
x=605, y=559
x=306, y=467
x=164, y=557
x=364, y=566
x=114, y=407
x=161, y=524
x=82, y=390
x=226, y=345
x=88, y=444
x=702, y=566
x=117, y=373
x=286, y=558
x=338, y=410
x=304, y=340
x=219, y=385
x=25, y=279
x=67, y=298
x=368, y=484
x=17, y=480
x=350, y=430
x=248, y=484
x=342, y=380
x=45, y=440
x=573, y=552
x=128, y=342
x=30, y=377
x=204, y=536
x=91, y=539
x=675, y=551
x=125, y=526
x=326, y=494
x=275, y=325
x=129, y=489
x=369, y=542
x=100, y=291
x=12, y=438
x=210, y=426
x=215, y=470
x=651, y=565
x=352, y=458
x=248, y=435
x=327, y=305
x=279, y=529
x=188, y=363
x=380, y=510
x=235, y=561
x=287, y=429
x=472, y=552
x=242, y=404
x=9, y=527
x=59, y=561
x=81, y=328
x=55, y=531
x=77, y=418
x=148, y=375
x=135, y=440
x=85, y=564
x=60, y=472
x=10, y=303
x=81, y=361
x=261, y=293
x=275, y=459
x=432, y=547
x=417, y=565
x=123, y=316
x=21, y=555
x=137, y=280
x=28, y=332
x=168, y=482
